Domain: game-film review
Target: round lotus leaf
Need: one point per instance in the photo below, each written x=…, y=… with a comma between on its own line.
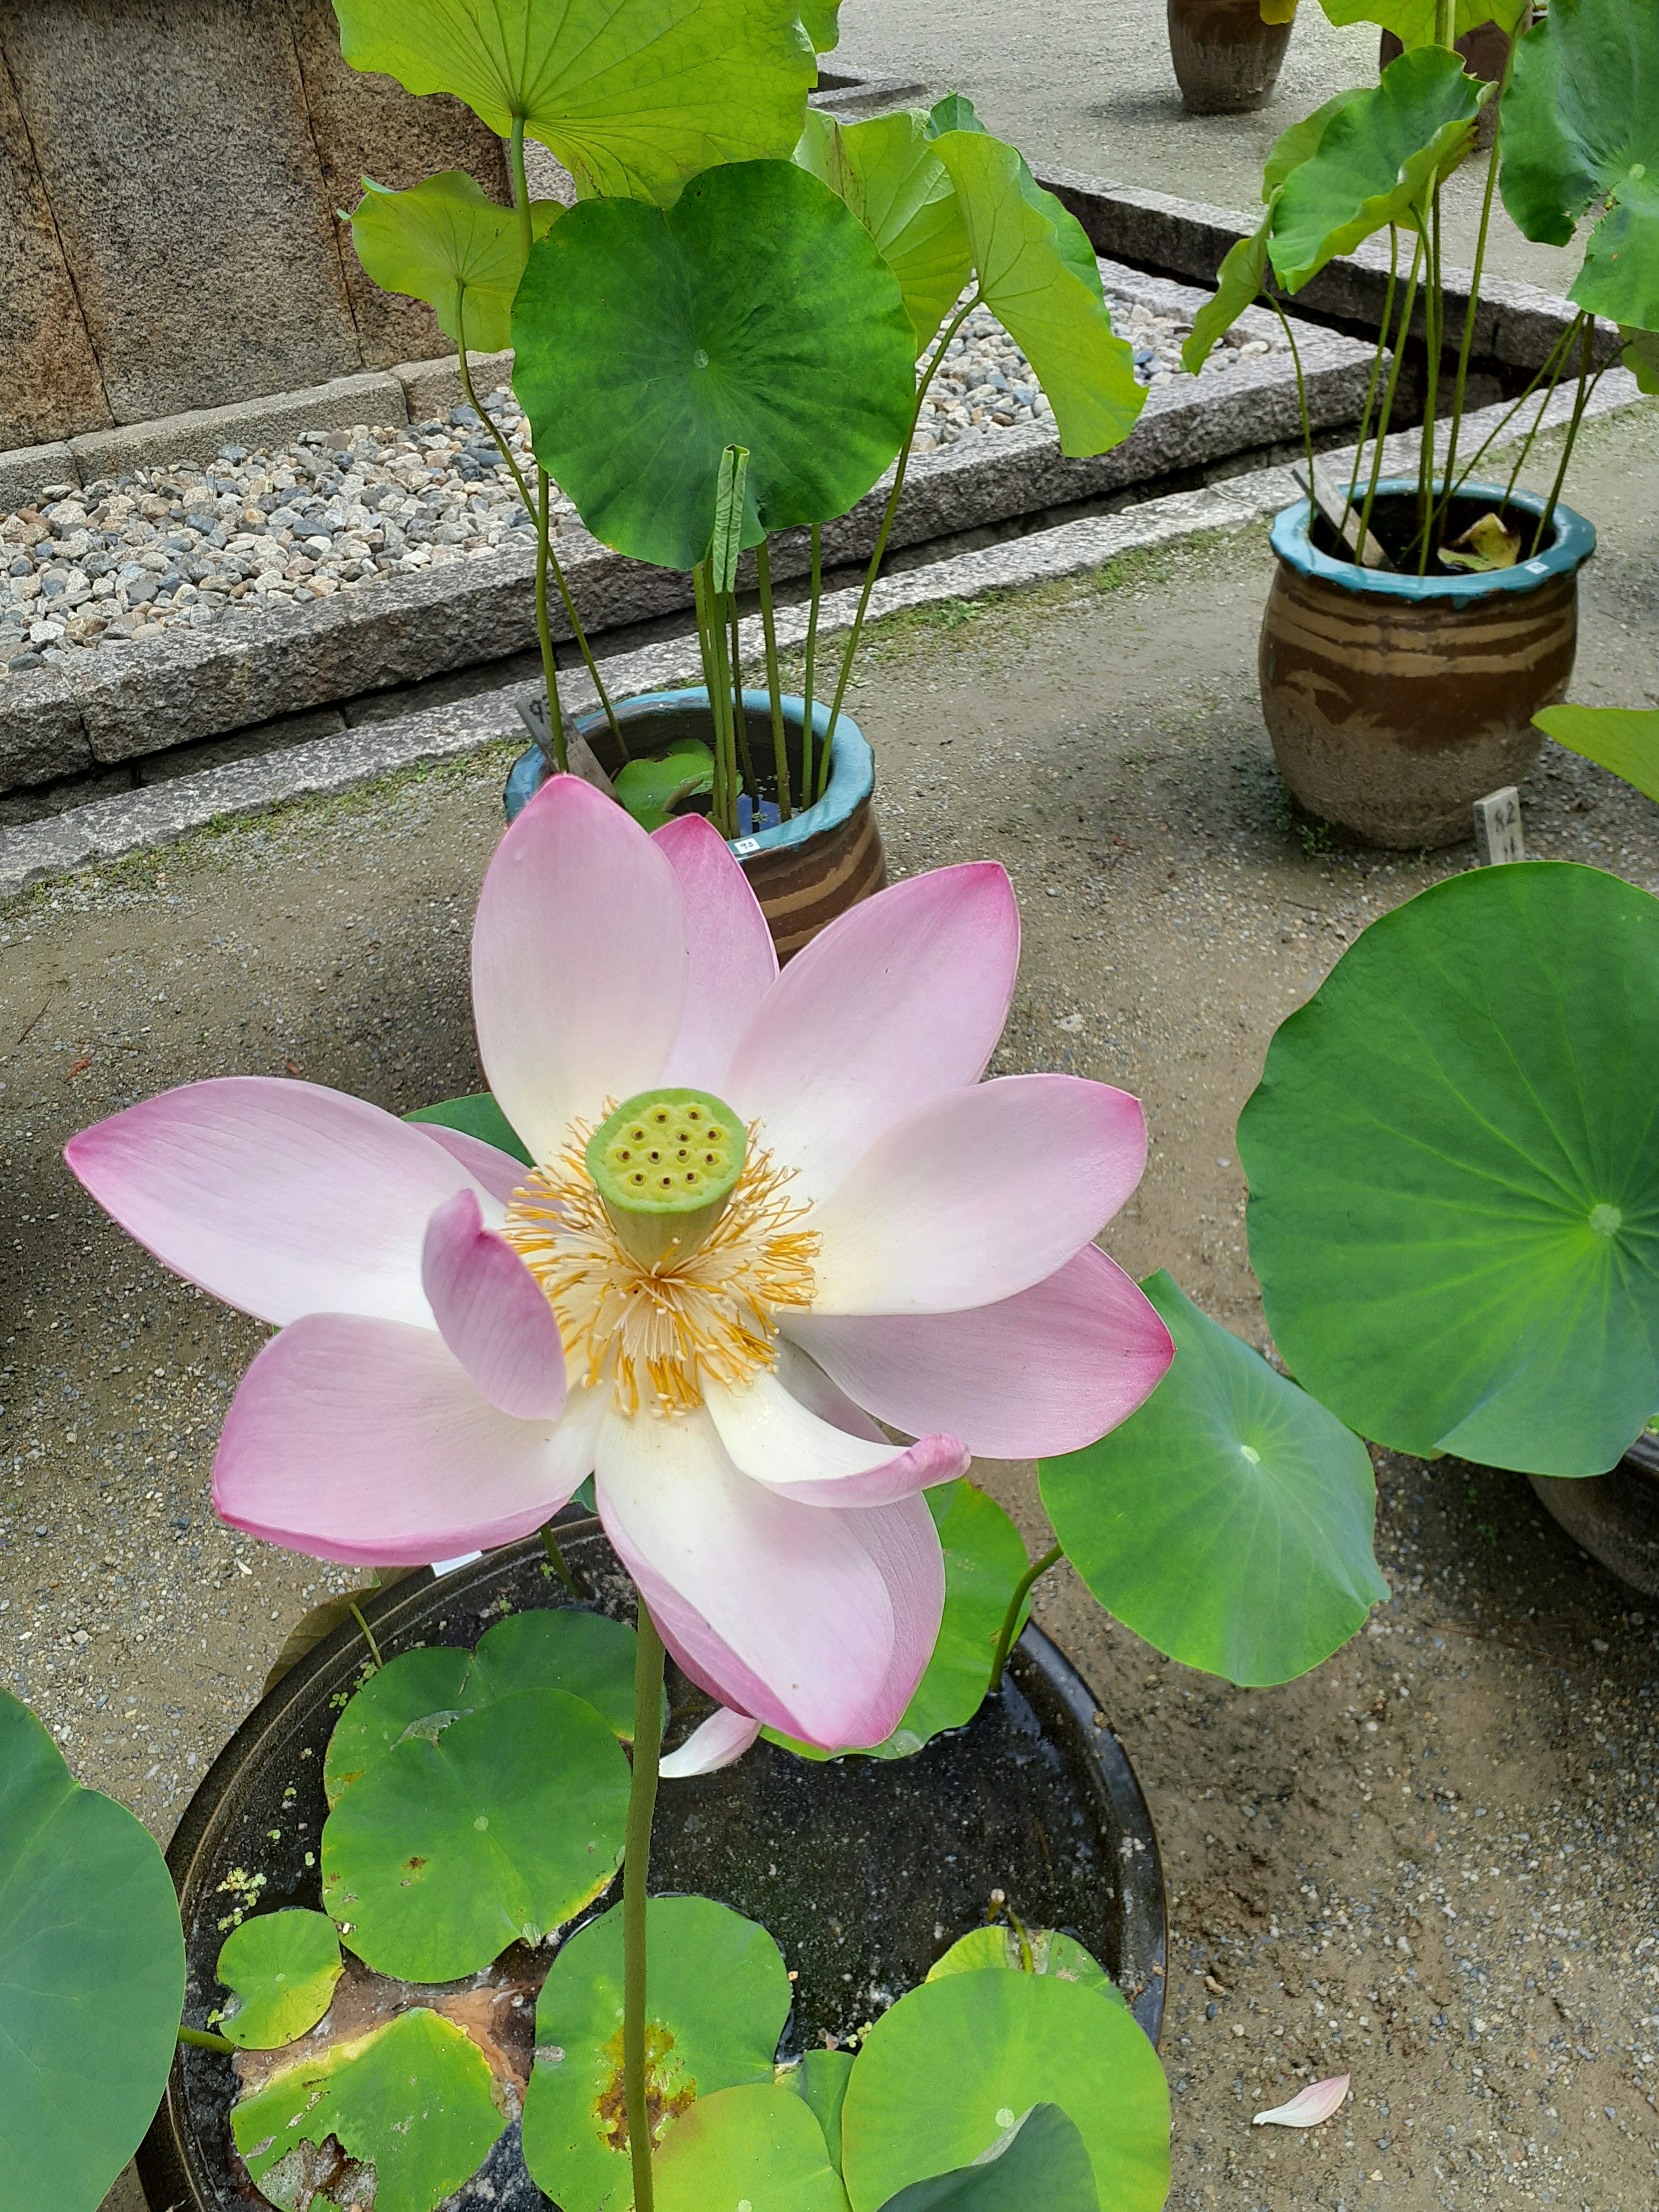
x=1042, y=2160
x=757, y=312
x=821, y=2079
x=413, y=2101
x=1453, y=1169
x=280, y=1969
x=91, y=1976
x=1027, y=1951
x=445, y=242
x=416, y=1686
x=718, y=1996
x=758, y=2146
x=501, y=1828
x=586, y=1654
x=1229, y=1520
x=956, y=2063
x=887, y=171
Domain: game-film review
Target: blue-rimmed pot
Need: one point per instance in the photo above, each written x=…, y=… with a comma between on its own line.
x=1395, y=701
x=804, y=872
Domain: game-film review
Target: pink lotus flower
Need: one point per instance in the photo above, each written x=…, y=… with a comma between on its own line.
x=462, y=1341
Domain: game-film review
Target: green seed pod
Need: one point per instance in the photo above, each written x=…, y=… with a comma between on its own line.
x=664, y=1165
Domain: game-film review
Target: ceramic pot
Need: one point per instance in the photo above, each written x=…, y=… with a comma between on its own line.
x=1035, y=1797
x=1226, y=59
x=1396, y=701
x=1614, y=1516
x=804, y=872
x=1486, y=52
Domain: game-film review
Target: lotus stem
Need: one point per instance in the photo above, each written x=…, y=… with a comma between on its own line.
x=1402, y=332
x=1376, y=370
x=707, y=625
x=740, y=718
x=811, y=656
x=1494, y=435
x=1546, y=522
x=773, y=684
x=550, y=1545
x=1011, y=1619
x=520, y=186
x=368, y=1637
x=203, y=2038
x=1437, y=317
x=1301, y=392
x=636, y=1871
x=1559, y=359
x=1467, y=346
x=543, y=629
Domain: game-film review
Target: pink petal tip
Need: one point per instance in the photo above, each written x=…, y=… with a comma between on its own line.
x=1308, y=2107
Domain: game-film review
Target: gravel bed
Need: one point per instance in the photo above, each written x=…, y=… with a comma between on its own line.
x=131, y=556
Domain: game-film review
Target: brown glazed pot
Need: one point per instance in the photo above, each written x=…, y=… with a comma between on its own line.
x=804, y=871
x=1394, y=701
x=1226, y=59
x=1486, y=52
x=1614, y=1516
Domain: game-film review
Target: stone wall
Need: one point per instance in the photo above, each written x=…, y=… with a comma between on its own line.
x=170, y=173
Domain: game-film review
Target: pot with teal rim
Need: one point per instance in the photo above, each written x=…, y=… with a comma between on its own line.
x=804, y=872
x=1395, y=701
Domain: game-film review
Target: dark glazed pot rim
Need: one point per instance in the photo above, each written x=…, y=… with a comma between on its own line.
x=851, y=768
x=1573, y=544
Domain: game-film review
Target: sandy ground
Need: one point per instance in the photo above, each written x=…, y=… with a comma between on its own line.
x=1431, y=1861
x=1089, y=84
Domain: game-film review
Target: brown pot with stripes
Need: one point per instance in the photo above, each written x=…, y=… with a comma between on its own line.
x=1226, y=58
x=804, y=871
x=1394, y=701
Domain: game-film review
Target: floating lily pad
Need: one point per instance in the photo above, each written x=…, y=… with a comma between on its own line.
x=587, y=1655
x=280, y=1969
x=758, y=2146
x=413, y=1686
x=91, y=1976
x=446, y=1851
x=413, y=2101
x=718, y=1998
x=887, y=171
x=1623, y=738
x=653, y=790
x=821, y=2081
x=951, y=2067
x=447, y=242
x=1454, y=1168
x=1042, y=2160
x=1030, y=1951
x=478, y=1116
x=1229, y=1520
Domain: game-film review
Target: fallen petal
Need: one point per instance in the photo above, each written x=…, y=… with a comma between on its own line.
x=721, y=1739
x=1309, y=2107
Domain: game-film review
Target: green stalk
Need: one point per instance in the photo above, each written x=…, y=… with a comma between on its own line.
x=727, y=825
x=1401, y=333
x=874, y=569
x=1445, y=22
x=774, y=682
x=1432, y=399
x=550, y=1545
x=1585, y=386
x=1376, y=371
x=1494, y=435
x=544, y=628
x=711, y=681
x=1467, y=346
x=1301, y=393
x=1011, y=1619
x=1527, y=443
x=521, y=186
x=811, y=654
x=739, y=717
x=636, y=1873
x=368, y=1637
x=203, y=2038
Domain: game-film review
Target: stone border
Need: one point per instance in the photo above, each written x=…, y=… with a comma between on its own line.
x=117, y=703
x=163, y=813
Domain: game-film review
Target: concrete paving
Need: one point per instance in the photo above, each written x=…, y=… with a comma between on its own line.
x=1088, y=84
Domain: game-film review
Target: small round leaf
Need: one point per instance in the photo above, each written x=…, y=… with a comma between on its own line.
x=758, y=2146
x=416, y=1687
x=91, y=1976
x=447, y=242
x=586, y=1654
x=1229, y=1520
x=280, y=1969
x=718, y=1998
x=502, y=1828
x=1044, y=1951
x=956, y=2062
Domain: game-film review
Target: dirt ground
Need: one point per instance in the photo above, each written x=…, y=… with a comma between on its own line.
x=1431, y=1862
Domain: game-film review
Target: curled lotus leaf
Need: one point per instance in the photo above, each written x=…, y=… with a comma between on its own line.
x=446, y=241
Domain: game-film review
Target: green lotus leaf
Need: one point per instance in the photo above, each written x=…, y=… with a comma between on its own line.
x=1028, y=1951
x=984, y=1559
x=1377, y=161
x=758, y=2146
x=756, y=312
x=478, y=1116
x=821, y=20
x=413, y=1688
x=1641, y=357
x=500, y=1827
x=946, y=2073
x=1453, y=1169
x=1623, y=738
x=1412, y=22
x=1278, y=11
x=634, y=96
x=888, y=174
x=820, y=2078
x=718, y=1997
x=653, y=789
x=1580, y=129
x=1042, y=2159
x=559, y=1648
x=955, y=112
x=1229, y=1520
x=91, y=1976
x=447, y=242
x=1301, y=142
x=1038, y=275
x=411, y=2099
x=280, y=1969
x=1238, y=281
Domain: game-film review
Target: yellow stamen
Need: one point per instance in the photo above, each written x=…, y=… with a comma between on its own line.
x=656, y=1331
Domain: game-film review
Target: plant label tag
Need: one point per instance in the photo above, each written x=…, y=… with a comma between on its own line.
x=742, y=846
x=1497, y=834
x=584, y=763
